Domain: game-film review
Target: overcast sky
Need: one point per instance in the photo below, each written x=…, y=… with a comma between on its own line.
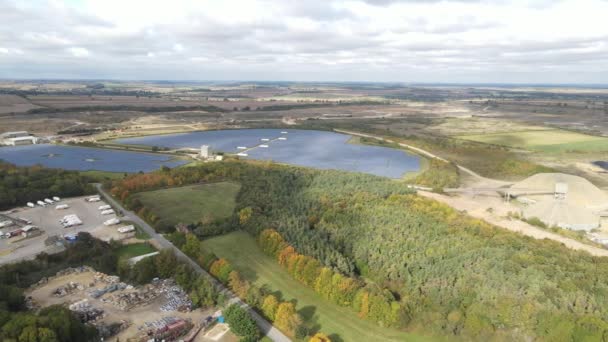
x=535, y=41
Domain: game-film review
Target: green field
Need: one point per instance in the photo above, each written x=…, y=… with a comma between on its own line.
x=100, y=176
x=134, y=249
x=552, y=141
x=190, y=204
x=340, y=323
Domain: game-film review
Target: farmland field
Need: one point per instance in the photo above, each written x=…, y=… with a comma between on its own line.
x=189, y=204
x=340, y=323
x=552, y=141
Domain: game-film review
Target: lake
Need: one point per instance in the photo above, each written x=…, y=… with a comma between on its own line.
x=318, y=149
x=85, y=158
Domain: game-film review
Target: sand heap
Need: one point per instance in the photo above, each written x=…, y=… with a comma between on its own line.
x=562, y=200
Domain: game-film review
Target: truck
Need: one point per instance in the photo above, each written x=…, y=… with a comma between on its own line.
x=62, y=206
x=112, y=222
x=105, y=207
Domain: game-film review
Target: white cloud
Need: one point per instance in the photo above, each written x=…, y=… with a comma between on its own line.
x=378, y=40
x=79, y=52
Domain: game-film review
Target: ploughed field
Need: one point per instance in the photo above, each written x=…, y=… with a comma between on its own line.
x=318, y=149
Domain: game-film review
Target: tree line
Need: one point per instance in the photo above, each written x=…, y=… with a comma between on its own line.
x=19, y=185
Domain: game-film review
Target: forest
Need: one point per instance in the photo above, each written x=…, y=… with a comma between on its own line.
x=432, y=268
x=19, y=185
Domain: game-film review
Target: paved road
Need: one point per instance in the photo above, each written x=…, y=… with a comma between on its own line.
x=267, y=328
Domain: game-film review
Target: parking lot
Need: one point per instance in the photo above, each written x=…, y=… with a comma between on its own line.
x=48, y=220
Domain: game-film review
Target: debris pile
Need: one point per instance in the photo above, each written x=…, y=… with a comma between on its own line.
x=85, y=311
x=67, y=289
x=108, y=289
x=177, y=298
x=167, y=328
x=129, y=300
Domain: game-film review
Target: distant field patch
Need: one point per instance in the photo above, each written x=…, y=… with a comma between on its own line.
x=189, y=204
x=553, y=140
x=340, y=323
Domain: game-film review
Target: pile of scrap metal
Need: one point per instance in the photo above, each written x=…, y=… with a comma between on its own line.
x=85, y=311
x=67, y=289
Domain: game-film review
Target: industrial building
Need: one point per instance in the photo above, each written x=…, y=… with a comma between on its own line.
x=17, y=138
x=561, y=200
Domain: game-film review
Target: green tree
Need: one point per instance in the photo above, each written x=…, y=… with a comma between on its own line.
x=241, y=322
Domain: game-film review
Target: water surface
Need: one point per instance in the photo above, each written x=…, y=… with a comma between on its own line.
x=85, y=158
x=318, y=149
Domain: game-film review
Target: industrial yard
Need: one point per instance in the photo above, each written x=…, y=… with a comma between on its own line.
x=55, y=224
x=126, y=312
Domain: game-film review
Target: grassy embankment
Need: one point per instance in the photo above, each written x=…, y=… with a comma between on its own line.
x=546, y=141
x=341, y=323
x=189, y=204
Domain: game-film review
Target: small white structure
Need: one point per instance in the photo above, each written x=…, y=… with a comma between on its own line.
x=242, y=154
x=107, y=212
x=205, y=151
x=241, y=147
x=265, y=139
x=105, y=207
x=62, y=207
x=282, y=138
x=112, y=221
x=284, y=132
x=219, y=158
x=264, y=146
x=126, y=229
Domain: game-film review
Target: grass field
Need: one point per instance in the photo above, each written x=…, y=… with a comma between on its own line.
x=552, y=141
x=135, y=249
x=100, y=176
x=341, y=324
x=190, y=204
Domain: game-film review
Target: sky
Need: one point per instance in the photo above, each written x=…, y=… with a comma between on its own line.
x=451, y=41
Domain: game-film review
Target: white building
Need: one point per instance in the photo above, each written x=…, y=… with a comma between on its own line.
x=205, y=151
x=17, y=138
x=28, y=140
